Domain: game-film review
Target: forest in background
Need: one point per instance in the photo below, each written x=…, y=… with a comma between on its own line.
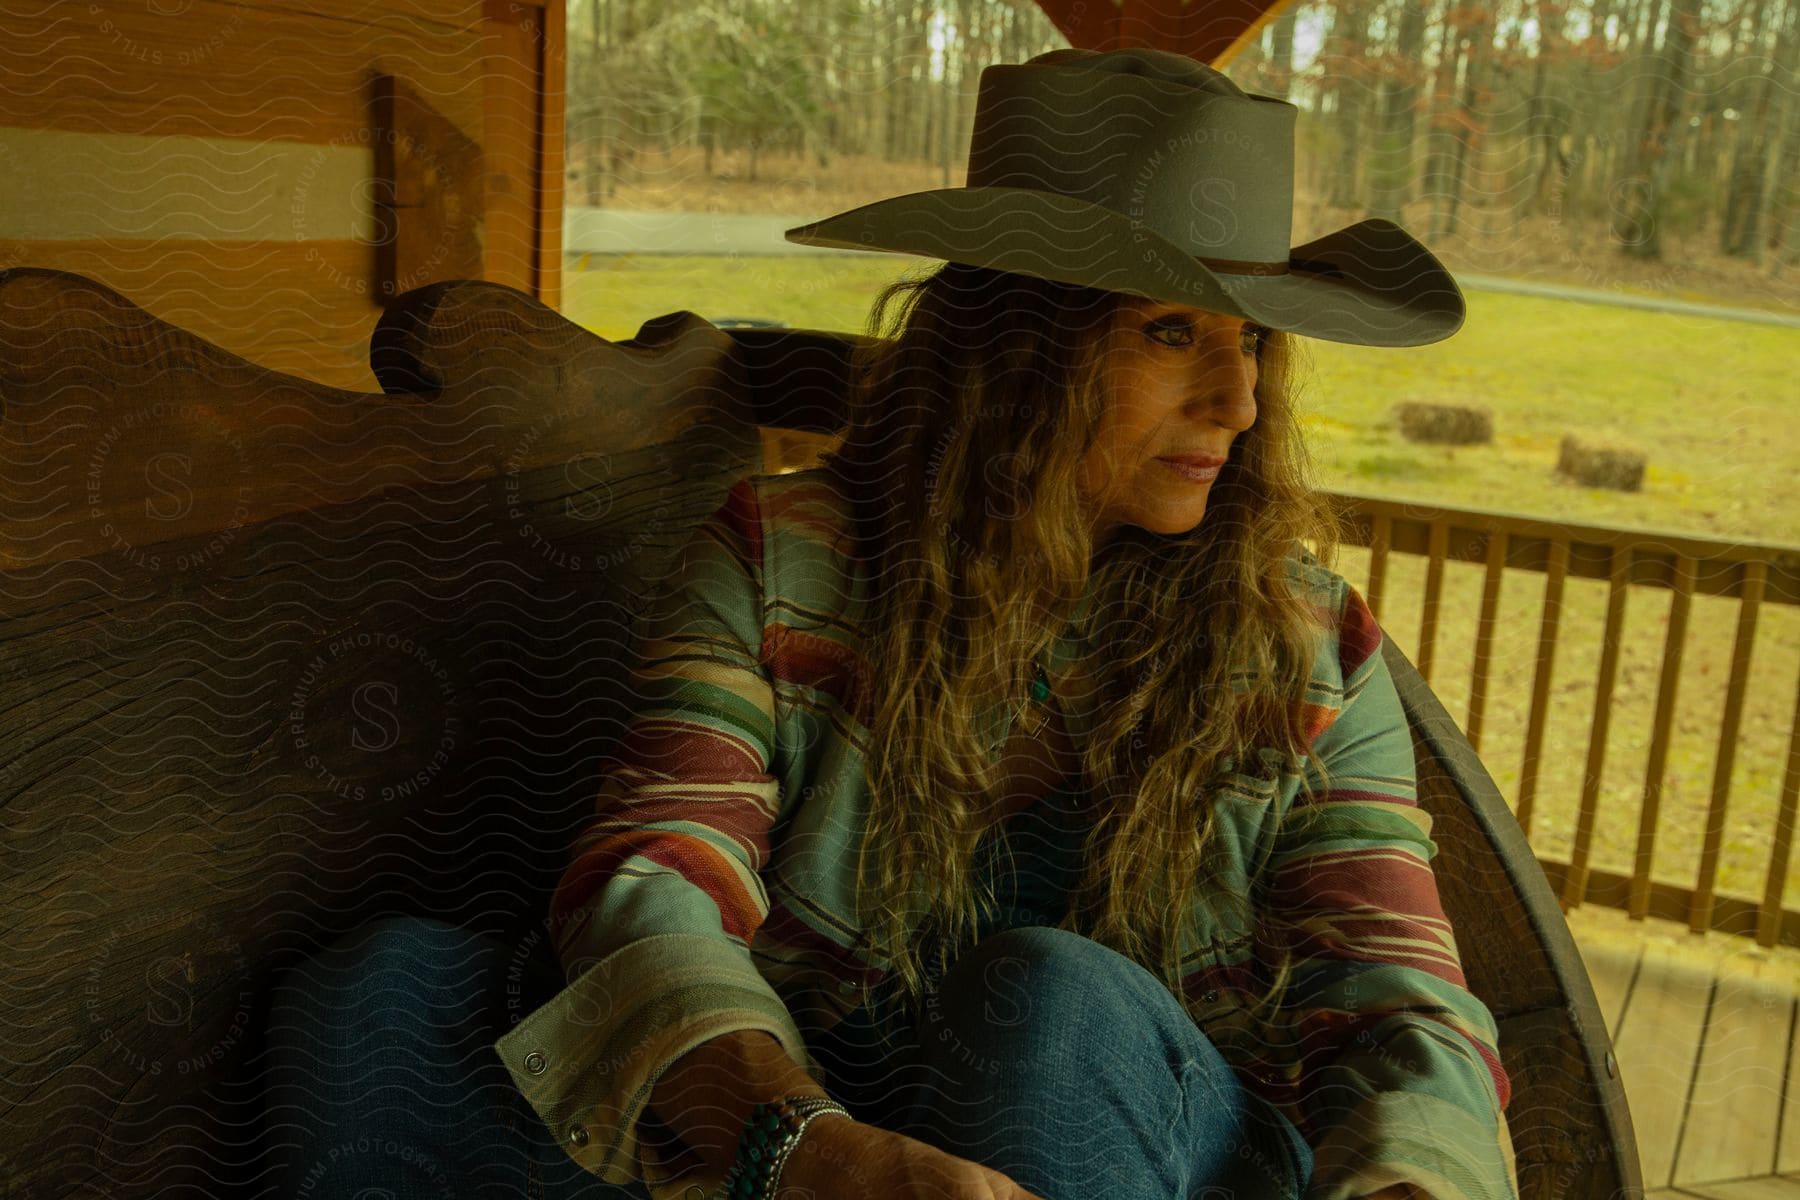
x=1658, y=132
x=1518, y=157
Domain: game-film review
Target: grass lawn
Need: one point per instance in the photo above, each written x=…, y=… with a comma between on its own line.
x=1710, y=402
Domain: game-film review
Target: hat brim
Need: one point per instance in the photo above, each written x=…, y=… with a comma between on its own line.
x=1369, y=284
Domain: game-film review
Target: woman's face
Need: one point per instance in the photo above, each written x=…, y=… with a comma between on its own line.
x=1180, y=384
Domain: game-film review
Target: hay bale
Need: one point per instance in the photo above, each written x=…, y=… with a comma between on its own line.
x=1601, y=466
x=1445, y=423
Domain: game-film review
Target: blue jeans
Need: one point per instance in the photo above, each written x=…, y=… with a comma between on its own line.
x=1072, y=1070
x=1043, y=1055
x=383, y=1081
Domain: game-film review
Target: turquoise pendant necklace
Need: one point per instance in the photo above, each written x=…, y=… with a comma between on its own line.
x=1031, y=718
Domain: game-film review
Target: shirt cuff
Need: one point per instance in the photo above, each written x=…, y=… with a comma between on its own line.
x=1406, y=1137
x=587, y=1060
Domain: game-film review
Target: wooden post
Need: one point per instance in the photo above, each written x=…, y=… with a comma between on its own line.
x=1557, y=571
x=1575, y=885
x=1438, y=550
x=1749, y=606
x=1667, y=685
x=1769, y=917
x=1485, y=624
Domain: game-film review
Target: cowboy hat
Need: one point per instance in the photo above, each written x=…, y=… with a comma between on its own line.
x=1148, y=172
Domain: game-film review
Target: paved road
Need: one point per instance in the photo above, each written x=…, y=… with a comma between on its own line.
x=612, y=231
x=1561, y=291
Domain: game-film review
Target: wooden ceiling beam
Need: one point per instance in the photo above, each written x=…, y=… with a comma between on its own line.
x=1212, y=31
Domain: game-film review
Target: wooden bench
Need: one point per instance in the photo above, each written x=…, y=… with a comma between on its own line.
x=280, y=658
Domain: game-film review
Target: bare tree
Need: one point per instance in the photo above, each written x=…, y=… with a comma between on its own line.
x=1754, y=152
x=1637, y=213
x=1550, y=117
x=1279, y=79
x=1469, y=40
x=1391, y=170
x=1344, y=62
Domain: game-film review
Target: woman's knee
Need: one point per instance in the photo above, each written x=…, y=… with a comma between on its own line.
x=1041, y=974
x=401, y=964
x=411, y=948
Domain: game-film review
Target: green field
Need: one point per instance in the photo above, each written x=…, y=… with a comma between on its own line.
x=1710, y=402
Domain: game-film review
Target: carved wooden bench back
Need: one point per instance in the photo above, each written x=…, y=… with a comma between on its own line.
x=281, y=658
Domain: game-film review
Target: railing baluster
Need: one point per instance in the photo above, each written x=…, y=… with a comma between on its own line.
x=1437, y=552
x=1484, y=634
x=1749, y=606
x=1380, y=534
x=1758, y=574
x=1682, y=595
x=1768, y=918
x=1557, y=571
x=1575, y=885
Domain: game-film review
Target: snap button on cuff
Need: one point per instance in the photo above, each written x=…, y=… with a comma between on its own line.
x=578, y=1135
x=534, y=1063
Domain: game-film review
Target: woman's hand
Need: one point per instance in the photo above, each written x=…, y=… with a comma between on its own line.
x=837, y=1159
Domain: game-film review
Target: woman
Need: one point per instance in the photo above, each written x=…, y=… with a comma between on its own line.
x=1013, y=808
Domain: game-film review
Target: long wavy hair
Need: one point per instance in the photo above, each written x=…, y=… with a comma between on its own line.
x=972, y=405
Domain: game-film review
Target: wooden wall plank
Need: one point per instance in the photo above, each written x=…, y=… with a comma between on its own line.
x=226, y=70
x=177, y=187
x=510, y=141
x=452, y=14
x=299, y=308
x=291, y=73
x=1204, y=31
x=524, y=69
x=430, y=193
x=552, y=94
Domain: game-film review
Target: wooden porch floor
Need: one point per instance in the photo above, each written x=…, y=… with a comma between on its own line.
x=1704, y=1032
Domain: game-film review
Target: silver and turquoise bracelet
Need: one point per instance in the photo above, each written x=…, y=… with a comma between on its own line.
x=768, y=1138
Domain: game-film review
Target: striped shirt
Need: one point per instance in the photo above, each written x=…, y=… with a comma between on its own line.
x=713, y=888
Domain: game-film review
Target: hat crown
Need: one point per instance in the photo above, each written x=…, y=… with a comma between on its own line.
x=1164, y=65
x=1149, y=173
x=1158, y=137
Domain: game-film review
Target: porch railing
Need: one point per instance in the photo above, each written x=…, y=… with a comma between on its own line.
x=1754, y=575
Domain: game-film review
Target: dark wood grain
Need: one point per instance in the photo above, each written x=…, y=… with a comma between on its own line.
x=149, y=435
x=223, y=749
x=349, y=654
x=430, y=193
